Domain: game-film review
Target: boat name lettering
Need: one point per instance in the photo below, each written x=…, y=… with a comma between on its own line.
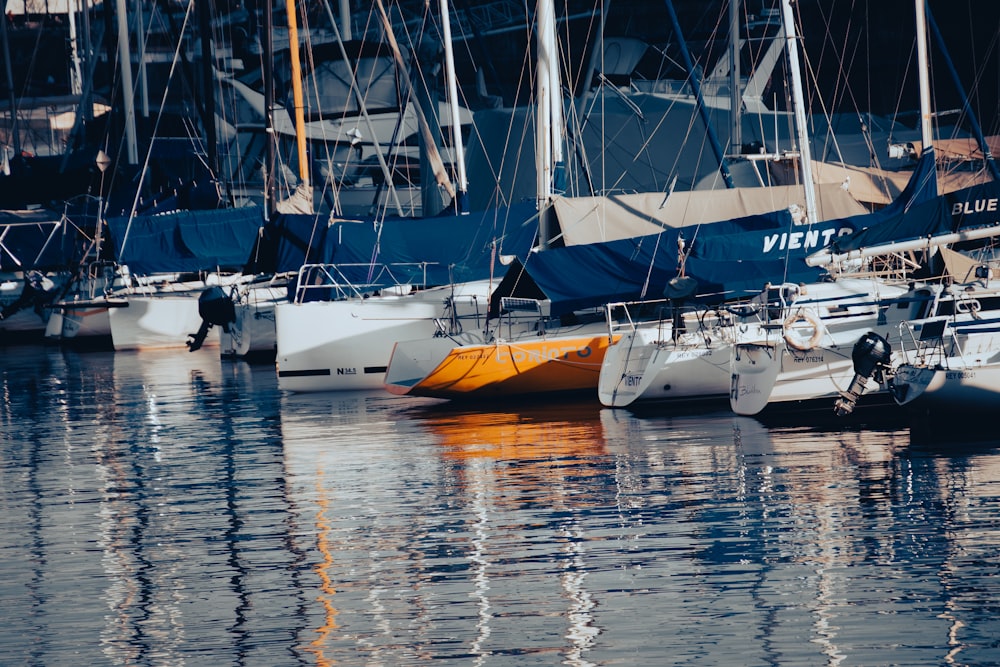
x=633, y=380
x=544, y=354
x=808, y=359
x=347, y=371
x=960, y=375
x=749, y=391
x=797, y=240
x=976, y=206
x=693, y=354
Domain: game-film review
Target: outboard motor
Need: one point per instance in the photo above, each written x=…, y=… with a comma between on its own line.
x=215, y=308
x=871, y=356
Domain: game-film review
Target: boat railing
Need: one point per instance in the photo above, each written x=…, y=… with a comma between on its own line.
x=663, y=314
x=459, y=311
x=519, y=314
x=628, y=316
x=923, y=342
x=329, y=282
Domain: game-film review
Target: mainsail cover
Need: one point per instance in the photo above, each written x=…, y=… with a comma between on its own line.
x=965, y=209
x=729, y=259
x=186, y=241
x=431, y=251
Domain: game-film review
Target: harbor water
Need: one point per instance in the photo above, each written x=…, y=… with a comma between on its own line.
x=177, y=509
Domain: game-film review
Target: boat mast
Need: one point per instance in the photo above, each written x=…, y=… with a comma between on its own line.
x=208, y=79
x=304, y=189
x=268, y=72
x=543, y=122
x=926, y=130
x=805, y=158
x=128, y=96
x=462, y=196
x=558, y=183
x=735, y=93
x=16, y=139
x=76, y=75
x=700, y=102
x=345, y=20
x=140, y=42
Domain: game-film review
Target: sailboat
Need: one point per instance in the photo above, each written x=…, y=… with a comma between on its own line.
x=507, y=359
x=773, y=369
x=658, y=361
x=377, y=281
x=599, y=263
x=945, y=358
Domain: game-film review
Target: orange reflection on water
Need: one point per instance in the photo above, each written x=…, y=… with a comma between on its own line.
x=519, y=433
x=529, y=455
x=327, y=591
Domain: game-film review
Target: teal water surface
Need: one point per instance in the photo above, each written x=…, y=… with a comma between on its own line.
x=177, y=509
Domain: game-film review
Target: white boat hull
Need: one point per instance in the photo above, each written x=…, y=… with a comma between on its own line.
x=754, y=369
x=642, y=366
x=958, y=388
x=253, y=333
x=806, y=355
x=158, y=322
x=346, y=345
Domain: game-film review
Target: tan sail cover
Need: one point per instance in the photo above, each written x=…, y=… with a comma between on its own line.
x=595, y=219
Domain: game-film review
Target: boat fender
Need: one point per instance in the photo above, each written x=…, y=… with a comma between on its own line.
x=797, y=342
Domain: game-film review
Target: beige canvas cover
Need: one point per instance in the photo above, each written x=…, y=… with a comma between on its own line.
x=879, y=187
x=595, y=219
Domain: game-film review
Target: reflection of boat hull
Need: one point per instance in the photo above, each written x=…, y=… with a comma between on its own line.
x=346, y=345
x=552, y=364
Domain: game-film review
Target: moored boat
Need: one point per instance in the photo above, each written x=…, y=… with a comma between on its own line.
x=525, y=352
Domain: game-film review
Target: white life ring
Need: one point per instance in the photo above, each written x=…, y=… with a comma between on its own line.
x=797, y=342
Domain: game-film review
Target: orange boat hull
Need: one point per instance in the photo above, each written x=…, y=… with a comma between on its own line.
x=519, y=368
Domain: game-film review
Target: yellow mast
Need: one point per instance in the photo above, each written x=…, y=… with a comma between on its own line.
x=300, y=121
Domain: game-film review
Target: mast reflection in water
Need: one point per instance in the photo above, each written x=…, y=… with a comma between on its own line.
x=172, y=508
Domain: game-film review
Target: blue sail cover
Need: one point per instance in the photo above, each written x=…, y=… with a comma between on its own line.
x=728, y=259
x=968, y=208
x=287, y=242
x=432, y=251
x=725, y=266
x=187, y=241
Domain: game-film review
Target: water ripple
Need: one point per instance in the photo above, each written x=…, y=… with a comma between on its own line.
x=177, y=509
